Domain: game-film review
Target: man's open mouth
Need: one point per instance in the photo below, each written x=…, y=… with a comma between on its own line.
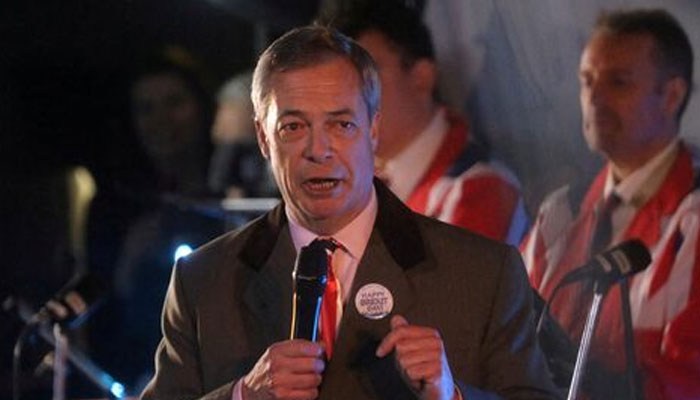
x=321, y=184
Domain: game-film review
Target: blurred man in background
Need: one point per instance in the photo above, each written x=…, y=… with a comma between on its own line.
x=636, y=78
x=139, y=225
x=426, y=154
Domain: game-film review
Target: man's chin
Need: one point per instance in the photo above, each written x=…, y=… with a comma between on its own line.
x=598, y=141
x=318, y=209
x=320, y=212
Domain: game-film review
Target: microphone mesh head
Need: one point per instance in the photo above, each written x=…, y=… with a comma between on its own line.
x=312, y=260
x=636, y=254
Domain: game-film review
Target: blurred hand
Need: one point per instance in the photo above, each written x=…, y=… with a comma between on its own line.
x=420, y=355
x=287, y=370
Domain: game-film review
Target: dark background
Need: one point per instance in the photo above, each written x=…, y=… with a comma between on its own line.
x=64, y=85
x=65, y=69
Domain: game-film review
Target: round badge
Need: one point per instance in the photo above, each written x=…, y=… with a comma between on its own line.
x=374, y=301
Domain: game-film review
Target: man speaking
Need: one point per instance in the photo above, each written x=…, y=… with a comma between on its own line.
x=412, y=309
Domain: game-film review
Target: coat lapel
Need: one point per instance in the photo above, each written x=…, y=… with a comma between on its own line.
x=269, y=252
x=394, y=249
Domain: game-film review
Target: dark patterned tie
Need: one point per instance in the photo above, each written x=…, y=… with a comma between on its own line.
x=603, y=233
x=600, y=240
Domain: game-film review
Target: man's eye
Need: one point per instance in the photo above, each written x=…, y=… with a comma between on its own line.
x=291, y=130
x=291, y=127
x=344, y=127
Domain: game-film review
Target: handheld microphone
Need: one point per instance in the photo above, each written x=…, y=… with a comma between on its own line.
x=608, y=267
x=73, y=303
x=309, y=283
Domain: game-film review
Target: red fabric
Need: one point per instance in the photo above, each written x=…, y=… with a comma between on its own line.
x=669, y=353
x=487, y=206
x=539, y=257
x=486, y=203
x=329, y=308
x=451, y=148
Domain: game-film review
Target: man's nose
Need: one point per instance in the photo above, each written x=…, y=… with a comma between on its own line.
x=319, y=145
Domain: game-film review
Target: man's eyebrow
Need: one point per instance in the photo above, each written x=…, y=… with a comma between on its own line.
x=302, y=115
x=608, y=71
x=342, y=111
x=292, y=112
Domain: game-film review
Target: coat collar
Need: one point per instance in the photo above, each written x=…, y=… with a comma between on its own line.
x=395, y=223
x=395, y=246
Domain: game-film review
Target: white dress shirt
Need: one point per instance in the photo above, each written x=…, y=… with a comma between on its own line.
x=405, y=170
x=637, y=188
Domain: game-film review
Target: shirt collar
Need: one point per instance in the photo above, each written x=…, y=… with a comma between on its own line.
x=406, y=168
x=354, y=236
x=641, y=184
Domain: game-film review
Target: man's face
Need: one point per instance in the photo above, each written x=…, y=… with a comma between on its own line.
x=320, y=141
x=166, y=115
x=398, y=92
x=622, y=98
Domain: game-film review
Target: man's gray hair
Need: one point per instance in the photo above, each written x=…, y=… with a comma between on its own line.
x=307, y=46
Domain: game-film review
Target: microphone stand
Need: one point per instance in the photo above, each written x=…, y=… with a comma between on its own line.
x=599, y=291
x=633, y=379
x=59, y=363
x=84, y=364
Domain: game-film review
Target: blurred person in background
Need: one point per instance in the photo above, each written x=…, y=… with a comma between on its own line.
x=635, y=78
x=170, y=114
x=426, y=154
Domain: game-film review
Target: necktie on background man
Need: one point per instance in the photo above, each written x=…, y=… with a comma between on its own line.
x=603, y=233
x=601, y=241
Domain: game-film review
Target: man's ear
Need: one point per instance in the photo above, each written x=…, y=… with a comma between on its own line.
x=424, y=76
x=374, y=129
x=675, y=90
x=263, y=144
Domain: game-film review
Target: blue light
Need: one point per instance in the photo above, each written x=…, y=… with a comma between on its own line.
x=182, y=251
x=117, y=390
